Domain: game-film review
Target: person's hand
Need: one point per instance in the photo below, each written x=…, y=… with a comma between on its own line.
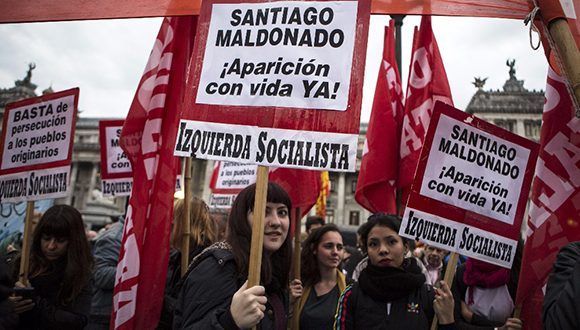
x=248, y=305
x=443, y=304
x=20, y=304
x=512, y=323
x=466, y=312
x=295, y=290
x=19, y=284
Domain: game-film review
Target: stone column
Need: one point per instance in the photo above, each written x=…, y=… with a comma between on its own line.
x=73, y=182
x=341, y=191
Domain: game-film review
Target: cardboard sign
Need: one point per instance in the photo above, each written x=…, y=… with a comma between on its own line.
x=228, y=179
x=36, y=146
x=277, y=83
x=470, y=188
x=116, y=171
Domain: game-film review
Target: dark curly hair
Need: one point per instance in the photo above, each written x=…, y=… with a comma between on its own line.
x=309, y=272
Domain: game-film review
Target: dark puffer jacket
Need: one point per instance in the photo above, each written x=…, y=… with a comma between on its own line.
x=207, y=291
x=562, y=299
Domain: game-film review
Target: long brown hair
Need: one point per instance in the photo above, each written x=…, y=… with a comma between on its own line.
x=277, y=265
x=203, y=229
x=63, y=221
x=309, y=271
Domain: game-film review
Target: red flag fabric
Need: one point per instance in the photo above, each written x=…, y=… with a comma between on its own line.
x=148, y=138
x=427, y=83
x=302, y=186
x=554, y=215
x=377, y=180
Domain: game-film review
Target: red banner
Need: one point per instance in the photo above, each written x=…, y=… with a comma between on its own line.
x=148, y=138
x=554, y=215
x=12, y=11
x=427, y=83
x=377, y=180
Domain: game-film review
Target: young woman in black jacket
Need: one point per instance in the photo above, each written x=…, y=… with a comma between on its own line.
x=60, y=272
x=215, y=294
x=391, y=292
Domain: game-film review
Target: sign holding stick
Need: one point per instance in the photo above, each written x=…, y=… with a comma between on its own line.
x=471, y=187
x=258, y=227
x=26, y=244
x=36, y=146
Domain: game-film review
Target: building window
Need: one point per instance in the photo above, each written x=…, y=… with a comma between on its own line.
x=509, y=125
x=333, y=185
x=354, y=218
x=329, y=216
x=532, y=129
x=353, y=185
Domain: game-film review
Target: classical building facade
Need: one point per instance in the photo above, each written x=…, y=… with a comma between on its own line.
x=514, y=108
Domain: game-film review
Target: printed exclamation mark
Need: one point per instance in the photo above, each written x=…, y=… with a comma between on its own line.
x=336, y=86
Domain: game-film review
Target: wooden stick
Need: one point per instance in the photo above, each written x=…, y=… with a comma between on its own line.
x=25, y=258
x=296, y=260
x=567, y=51
x=255, y=264
x=449, y=276
x=186, y=217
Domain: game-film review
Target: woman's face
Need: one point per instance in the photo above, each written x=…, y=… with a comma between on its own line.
x=276, y=224
x=53, y=247
x=385, y=247
x=329, y=251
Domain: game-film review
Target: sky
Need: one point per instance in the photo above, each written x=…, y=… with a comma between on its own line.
x=106, y=58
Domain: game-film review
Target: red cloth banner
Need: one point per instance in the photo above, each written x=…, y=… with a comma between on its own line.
x=554, y=215
x=377, y=180
x=148, y=138
x=12, y=11
x=427, y=83
x=303, y=186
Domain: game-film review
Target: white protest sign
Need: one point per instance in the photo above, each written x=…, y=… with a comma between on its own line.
x=37, y=139
x=116, y=171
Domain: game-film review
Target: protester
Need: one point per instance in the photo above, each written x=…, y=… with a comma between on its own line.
x=361, y=263
x=433, y=261
x=313, y=222
x=562, y=300
x=106, y=251
x=321, y=281
x=391, y=291
x=8, y=319
x=216, y=294
x=484, y=295
x=220, y=218
x=60, y=272
x=203, y=233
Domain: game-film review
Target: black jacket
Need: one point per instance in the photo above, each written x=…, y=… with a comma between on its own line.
x=562, y=299
x=356, y=310
x=206, y=294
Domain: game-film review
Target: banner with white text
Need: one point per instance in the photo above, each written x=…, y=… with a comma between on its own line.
x=36, y=146
x=267, y=146
x=471, y=187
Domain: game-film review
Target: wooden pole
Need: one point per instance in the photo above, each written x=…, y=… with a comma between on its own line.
x=568, y=53
x=25, y=258
x=186, y=217
x=255, y=264
x=296, y=259
x=449, y=276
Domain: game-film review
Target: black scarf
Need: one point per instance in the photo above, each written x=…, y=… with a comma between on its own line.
x=387, y=284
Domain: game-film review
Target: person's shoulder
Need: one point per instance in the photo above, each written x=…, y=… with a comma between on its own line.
x=569, y=254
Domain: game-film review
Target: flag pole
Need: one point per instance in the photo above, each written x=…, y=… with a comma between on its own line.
x=186, y=217
x=25, y=260
x=255, y=264
x=449, y=276
x=296, y=260
x=568, y=54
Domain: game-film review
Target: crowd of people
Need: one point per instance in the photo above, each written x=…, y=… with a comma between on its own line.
x=385, y=282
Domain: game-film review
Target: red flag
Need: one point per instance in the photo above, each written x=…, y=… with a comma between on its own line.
x=377, y=180
x=302, y=186
x=554, y=216
x=148, y=138
x=427, y=84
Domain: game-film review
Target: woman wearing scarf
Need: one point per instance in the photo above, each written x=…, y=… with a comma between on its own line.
x=391, y=292
x=483, y=296
x=322, y=278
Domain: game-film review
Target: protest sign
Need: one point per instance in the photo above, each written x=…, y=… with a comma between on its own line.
x=116, y=172
x=36, y=146
x=277, y=83
x=470, y=188
x=228, y=179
